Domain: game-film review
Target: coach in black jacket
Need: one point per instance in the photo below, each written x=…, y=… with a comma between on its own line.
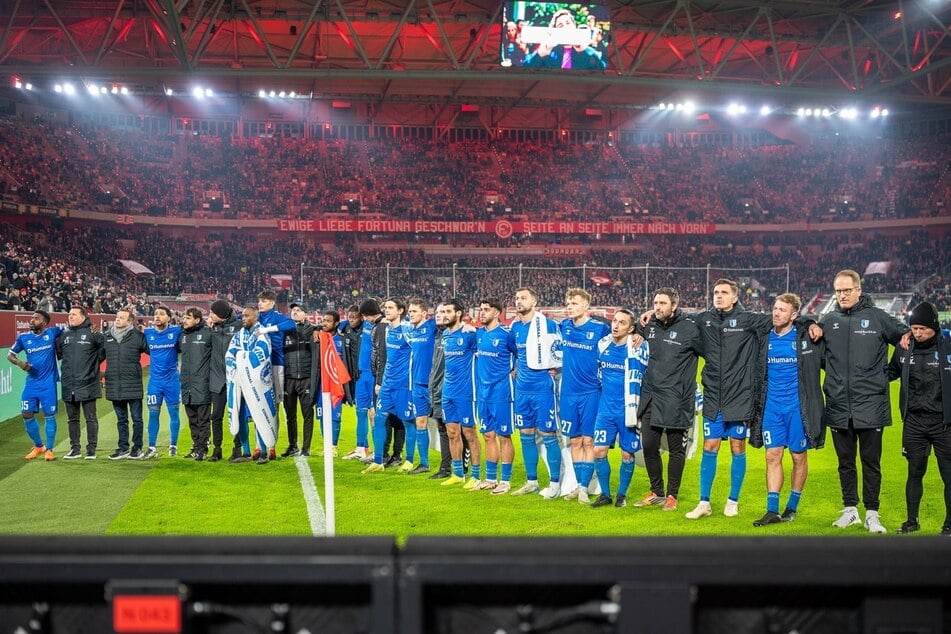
x=195, y=346
x=857, y=334
x=224, y=326
x=925, y=404
x=81, y=352
x=299, y=357
x=668, y=394
x=124, y=346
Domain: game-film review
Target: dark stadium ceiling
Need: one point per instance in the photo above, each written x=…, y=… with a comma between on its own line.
x=432, y=51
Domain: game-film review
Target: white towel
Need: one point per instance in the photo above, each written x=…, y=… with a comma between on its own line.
x=543, y=345
x=250, y=381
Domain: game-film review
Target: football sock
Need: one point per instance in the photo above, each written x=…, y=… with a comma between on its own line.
x=410, y=443
x=772, y=502
x=737, y=473
x=33, y=431
x=363, y=427
x=174, y=424
x=603, y=468
x=553, y=456
x=627, y=472
x=793, y=502
x=530, y=455
x=708, y=469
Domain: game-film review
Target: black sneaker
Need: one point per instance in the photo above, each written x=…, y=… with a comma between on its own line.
x=290, y=452
x=946, y=530
x=909, y=526
x=262, y=459
x=215, y=455
x=394, y=461
x=190, y=455
x=136, y=454
x=768, y=518
x=305, y=453
x=73, y=454
x=119, y=455
x=440, y=475
x=788, y=515
x=199, y=456
x=90, y=455
x=620, y=502
x=420, y=469
x=239, y=458
x=603, y=500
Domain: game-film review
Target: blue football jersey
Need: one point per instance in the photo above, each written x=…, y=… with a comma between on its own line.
x=495, y=360
x=41, y=354
x=527, y=379
x=163, y=353
x=579, y=345
x=459, y=351
x=421, y=339
x=396, y=372
x=782, y=368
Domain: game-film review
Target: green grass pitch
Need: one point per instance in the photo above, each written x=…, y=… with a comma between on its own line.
x=174, y=496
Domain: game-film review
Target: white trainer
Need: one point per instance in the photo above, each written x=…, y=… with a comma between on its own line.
x=529, y=487
x=849, y=516
x=732, y=508
x=703, y=509
x=873, y=523
x=583, y=497
x=552, y=491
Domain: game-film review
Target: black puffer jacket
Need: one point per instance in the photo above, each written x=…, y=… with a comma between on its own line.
x=195, y=346
x=856, y=354
x=221, y=335
x=123, y=365
x=670, y=381
x=731, y=346
x=299, y=351
x=81, y=351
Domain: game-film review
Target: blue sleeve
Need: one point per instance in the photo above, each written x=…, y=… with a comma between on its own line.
x=510, y=342
x=284, y=323
x=17, y=346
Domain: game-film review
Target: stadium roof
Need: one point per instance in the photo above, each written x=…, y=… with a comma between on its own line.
x=447, y=51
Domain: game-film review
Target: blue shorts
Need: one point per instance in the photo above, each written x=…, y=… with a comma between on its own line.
x=363, y=393
x=394, y=400
x=578, y=413
x=720, y=429
x=782, y=427
x=608, y=428
x=458, y=411
x=535, y=410
x=496, y=418
x=33, y=400
x=419, y=401
x=318, y=412
x=170, y=393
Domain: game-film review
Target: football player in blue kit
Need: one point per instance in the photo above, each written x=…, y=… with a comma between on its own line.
x=421, y=334
x=458, y=395
x=494, y=365
x=534, y=400
x=39, y=391
x=164, y=384
x=620, y=368
x=578, y=403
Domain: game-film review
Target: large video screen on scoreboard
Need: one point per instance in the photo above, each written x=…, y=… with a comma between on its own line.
x=559, y=35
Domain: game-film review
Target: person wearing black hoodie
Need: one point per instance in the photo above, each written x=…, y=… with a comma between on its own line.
x=195, y=346
x=80, y=351
x=224, y=326
x=124, y=346
x=925, y=405
x=857, y=335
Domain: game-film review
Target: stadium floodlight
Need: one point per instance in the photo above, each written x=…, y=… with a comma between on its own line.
x=28, y=86
x=124, y=90
x=93, y=90
x=209, y=92
x=58, y=88
x=115, y=89
x=876, y=111
x=169, y=92
x=808, y=112
x=17, y=83
x=69, y=89
x=198, y=93
x=272, y=94
x=764, y=111
x=282, y=94
x=689, y=107
x=262, y=94
x=826, y=112
x=103, y=90
x=734, y=109
x=816, y=112
x=293, y=94
x=884, y=112
x=801, y=112
x=680, y=107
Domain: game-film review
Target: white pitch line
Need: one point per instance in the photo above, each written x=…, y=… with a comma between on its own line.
x=315, y=508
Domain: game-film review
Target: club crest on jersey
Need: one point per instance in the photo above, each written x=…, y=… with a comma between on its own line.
x=949, y=358
x=732, y=323
x=82, y=337
x=590, y=335
x=835, y=326
x=495, y=343
x=169, y=336
x=865, y=323
x=804, y=344
x=199, y=337
x=459, y=341
x=673, y=335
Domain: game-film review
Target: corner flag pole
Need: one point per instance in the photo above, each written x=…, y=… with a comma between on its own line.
x=326, y=426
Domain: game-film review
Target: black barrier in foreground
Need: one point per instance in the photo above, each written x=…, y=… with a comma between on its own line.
x=471, y=585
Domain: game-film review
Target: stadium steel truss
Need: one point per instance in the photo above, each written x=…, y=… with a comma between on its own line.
x=443, y=52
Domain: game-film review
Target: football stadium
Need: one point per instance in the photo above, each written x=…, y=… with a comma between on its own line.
x=475, y=316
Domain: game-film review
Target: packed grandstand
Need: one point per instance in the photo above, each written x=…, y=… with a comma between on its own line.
x=53, y=262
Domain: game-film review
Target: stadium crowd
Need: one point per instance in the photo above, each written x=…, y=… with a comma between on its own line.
x=272, y=177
